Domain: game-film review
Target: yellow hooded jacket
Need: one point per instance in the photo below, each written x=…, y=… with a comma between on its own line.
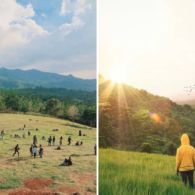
x=185, y=157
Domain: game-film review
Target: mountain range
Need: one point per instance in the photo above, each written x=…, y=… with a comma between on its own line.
x=17, y=79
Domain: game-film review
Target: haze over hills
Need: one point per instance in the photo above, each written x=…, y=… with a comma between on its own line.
x=190, y=102
x=16, y=78
x=138, y=120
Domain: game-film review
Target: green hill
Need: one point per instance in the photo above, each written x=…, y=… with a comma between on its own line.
x=26, y=175
x=138, y=120
x=134, y=173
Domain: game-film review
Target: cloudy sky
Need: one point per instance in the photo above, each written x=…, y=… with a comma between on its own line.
x=150, y=44
x=54, y=36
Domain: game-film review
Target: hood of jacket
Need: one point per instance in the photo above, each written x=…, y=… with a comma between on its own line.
x=185, y=139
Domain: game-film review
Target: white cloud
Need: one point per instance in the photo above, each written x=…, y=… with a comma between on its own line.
x=75, y=24
x=63, y=9
x=77, y=8
x=27, y=46
x=16, y=24
x=43, y=15
x=80, y=7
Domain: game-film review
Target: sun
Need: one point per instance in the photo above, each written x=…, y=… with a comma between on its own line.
x=117, y=74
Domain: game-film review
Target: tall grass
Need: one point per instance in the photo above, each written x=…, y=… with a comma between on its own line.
x=132, y=173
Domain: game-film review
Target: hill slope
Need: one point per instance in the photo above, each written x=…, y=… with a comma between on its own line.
x=33, y=78
x=16, y=171
x=137, y=120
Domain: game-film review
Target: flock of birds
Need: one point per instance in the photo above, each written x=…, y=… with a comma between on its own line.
x=189, y=89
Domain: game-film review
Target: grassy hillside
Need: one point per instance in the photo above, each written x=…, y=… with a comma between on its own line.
x=138, y=174
x=135, y=119
x=16, y=171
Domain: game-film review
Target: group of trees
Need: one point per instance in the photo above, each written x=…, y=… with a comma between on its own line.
x=137, y=120
x=62, y=103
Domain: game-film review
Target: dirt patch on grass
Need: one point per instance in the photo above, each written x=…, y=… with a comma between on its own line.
x=36, y=184
x=33, y=192
x=84, y=178
x=32, y=187
x=2, y=180
x=70, y=190
x=87, y=181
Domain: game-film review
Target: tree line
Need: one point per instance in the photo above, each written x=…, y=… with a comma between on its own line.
x=77, y=106
x=136, y=120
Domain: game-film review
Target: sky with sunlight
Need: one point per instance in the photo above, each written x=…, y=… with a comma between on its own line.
x=54, y=36
x=149, y=45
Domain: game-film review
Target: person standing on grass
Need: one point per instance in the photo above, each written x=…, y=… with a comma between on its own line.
x=69, y=140
x=2, y=134
x=49, y=141
x=61, y=138
x=31, y=150
x=34, y=140
x=34, y=151
x=41, y=151
x=185, y=161
x=16, y=150
x=54, y=139
x=95, y=149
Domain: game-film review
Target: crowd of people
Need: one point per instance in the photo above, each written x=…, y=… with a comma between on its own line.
x=39, y=150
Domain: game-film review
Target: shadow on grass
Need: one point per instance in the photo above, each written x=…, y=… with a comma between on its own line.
x=19, y=159
x=75, y=126
x=78, y=155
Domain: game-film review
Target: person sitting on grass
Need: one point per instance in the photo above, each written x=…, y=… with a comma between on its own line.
x=77, y=143
x=41, y=151
x=58, y=148
x=16, y=150
x=34, y=151
x=67, y=162
x=185, y=161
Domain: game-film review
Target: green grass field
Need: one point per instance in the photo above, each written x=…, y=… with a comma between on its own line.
x=14, y=171
x=132, y=173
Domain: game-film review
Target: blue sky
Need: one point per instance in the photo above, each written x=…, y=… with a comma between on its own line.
x=54, y=36
x=47, y=13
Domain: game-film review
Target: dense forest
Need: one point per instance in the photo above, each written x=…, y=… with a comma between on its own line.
x=77, y=106
x=137, y=120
